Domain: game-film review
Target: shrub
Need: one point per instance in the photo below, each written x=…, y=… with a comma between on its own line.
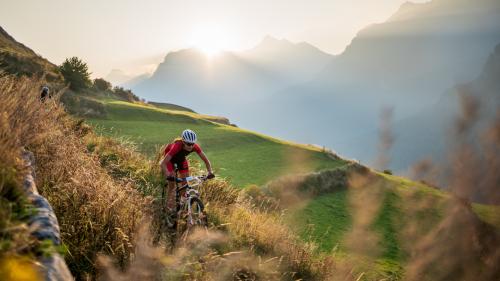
x=124, y=94
x=76, y=73
x=81, y=105
x=102, y=85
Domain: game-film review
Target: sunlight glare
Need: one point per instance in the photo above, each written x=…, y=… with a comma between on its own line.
x=210, y=39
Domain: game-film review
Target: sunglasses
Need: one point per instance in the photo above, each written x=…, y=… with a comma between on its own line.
x=188, y=143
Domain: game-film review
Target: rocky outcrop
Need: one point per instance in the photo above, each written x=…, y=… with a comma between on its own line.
x=44, y=226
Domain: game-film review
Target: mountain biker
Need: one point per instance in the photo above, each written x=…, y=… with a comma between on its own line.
x=174, y=157
x=45, y=93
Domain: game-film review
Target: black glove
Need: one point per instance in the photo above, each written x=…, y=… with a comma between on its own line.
x=210, y=176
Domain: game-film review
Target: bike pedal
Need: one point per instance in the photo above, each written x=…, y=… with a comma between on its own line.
x=170, y=221
x=170, y=224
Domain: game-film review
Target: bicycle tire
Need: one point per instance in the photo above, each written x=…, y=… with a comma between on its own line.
x=197, y=216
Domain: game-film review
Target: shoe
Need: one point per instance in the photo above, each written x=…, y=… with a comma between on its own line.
x=170, y=218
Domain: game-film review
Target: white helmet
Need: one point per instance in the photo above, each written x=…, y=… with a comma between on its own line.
x=189, y=136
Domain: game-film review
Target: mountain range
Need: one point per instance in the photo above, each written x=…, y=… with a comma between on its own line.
x=415, y=62
x=296, y=91
x=119, y=78
x=428, y=133
x=235, y=79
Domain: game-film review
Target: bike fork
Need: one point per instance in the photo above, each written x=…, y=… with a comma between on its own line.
x=190, y=217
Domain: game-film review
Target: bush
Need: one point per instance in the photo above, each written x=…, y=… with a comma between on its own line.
x=76, y=73
x=127, y=95
x=80, y=105
x=102, y=85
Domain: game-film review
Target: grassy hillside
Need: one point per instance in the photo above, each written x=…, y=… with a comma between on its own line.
x=102, y=191
x=17, y=59
x=171, y=106
x=398, y=207
x=331, y=218
x=242, y=156
x=337, y=223
x=98, y=211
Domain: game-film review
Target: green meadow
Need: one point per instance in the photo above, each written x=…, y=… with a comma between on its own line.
x=328, y=220
x=243, y=157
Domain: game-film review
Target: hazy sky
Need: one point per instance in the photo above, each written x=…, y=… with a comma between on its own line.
x=135, y=35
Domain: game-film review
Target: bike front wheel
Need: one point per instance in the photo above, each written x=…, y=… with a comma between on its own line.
x=197, y=216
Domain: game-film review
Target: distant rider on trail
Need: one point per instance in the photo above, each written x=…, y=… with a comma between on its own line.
x=45, y=94
x=174, y=157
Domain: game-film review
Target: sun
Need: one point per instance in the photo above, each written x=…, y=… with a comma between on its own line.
x=210, y=39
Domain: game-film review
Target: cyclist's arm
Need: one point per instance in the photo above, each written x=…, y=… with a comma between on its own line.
x=163, y=163
x=168, y=156
x=207, y=162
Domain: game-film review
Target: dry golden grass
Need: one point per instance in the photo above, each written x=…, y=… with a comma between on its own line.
x=17, y=247
x=15, y=132
x=262, y=233
x=122, y=161
x=96, y=213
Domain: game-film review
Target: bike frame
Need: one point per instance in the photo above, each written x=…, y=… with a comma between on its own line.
x=190, y=193
x=190, y=188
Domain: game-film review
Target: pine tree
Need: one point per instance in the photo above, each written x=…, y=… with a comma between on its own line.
x=76, y=73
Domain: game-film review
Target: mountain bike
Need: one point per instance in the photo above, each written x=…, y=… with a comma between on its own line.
x=190, y=209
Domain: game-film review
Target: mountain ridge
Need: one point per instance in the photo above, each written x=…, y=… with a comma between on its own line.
x=7, y=40
x=428, y=9
x=405, y=65
x=248, y=75
x=272, y=42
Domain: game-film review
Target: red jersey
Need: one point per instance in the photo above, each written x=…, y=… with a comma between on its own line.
x=178, y=153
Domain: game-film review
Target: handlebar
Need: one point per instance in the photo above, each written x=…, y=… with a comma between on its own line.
x=197, y=179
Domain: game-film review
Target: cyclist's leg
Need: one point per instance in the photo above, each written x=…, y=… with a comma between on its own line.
x=184, y=169
x=171, y=185
x=183, y=173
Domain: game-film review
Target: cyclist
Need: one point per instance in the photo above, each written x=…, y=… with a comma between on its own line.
x=174, y=157
x=45, y=93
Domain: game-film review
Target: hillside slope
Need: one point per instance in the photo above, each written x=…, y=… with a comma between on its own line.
x=328, y=208
x=16, y=58
x=377, y=220
x=244, y=157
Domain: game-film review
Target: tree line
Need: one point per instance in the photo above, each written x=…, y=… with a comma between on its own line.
x=76, y=74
